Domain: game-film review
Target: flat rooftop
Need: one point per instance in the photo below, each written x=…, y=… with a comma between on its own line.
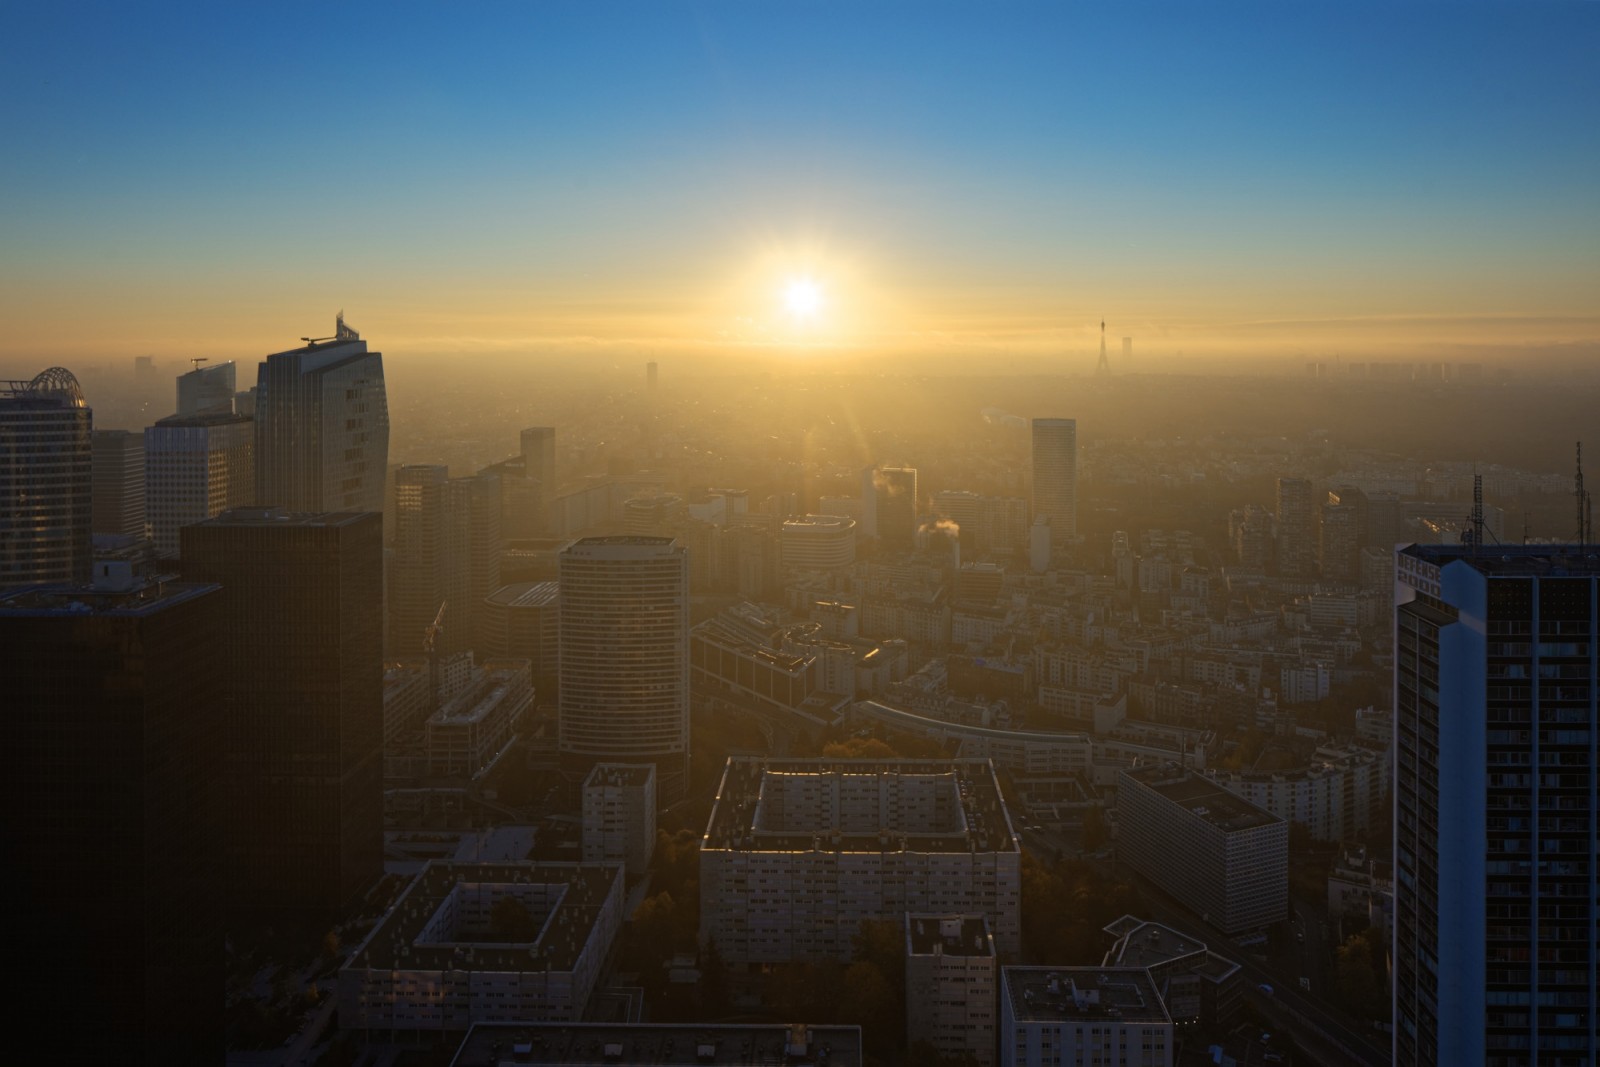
x=953, y=935
x=279, y=517
x=859, y=805
x=526, y=595
x=665, y=1045
x=1203, y=798
x=491, y=688
x=398, y=941
x=631, y=774
x=1081, y=994
x=1540, y=561
x=143, y=598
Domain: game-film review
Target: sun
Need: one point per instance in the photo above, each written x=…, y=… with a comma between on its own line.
x=803, y=298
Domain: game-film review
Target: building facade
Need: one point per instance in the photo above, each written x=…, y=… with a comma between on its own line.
x=46, y=480
x=951, y=978
x=818, y=543
x=302, y=645
x=1496, y=823
x=322, y=427
x=624, y=654
x=619, y=815
x=1224, y=858
x=208, y=390
x=1055, y=476
x=196, y=466
x=798, y=853
x=1297, y=529
x=1083, y=1017
x=118, y=505
x=114, y=732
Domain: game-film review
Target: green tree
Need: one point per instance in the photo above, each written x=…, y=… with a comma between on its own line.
x=859, y=748
x=868, y=1000
x=1094, y=830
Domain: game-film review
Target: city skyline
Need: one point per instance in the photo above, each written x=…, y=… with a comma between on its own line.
x=1242, y=179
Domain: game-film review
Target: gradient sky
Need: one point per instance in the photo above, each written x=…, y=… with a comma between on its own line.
x=222, y=177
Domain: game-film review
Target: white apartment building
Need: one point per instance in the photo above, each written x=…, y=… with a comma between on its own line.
x=1083, y=1017
x=619, y=815
x=951, y=979
x=798, y=853
x=1336, y=796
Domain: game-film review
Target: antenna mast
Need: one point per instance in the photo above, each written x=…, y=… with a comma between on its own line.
x=1103, y=370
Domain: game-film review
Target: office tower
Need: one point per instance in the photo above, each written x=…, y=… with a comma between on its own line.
x=207, y=390
x=1297, y=529
x=522, y=621
x=46, y=478
x=1055, y=476
x=322, y=426
x=432, y=563
x=302, y=599
x=113, y=734
x=896, y=507
x=485, y=544
x=196, y=466
x=817, y=543
x=1341, y=531
x=867, y=521
x=625, y=655
x=118, y=505
x=1496, y=768
x=527, y=481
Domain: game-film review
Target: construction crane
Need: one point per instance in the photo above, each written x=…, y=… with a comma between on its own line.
x=430, y=645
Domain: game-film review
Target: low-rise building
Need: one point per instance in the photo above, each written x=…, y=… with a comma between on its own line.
x=951, y=975
x=1226, y=859
x=1196, y=984
x=467, y=735
x=659, y=1044
x=619, y=815
x=798, y=853
x=443, y=957
x=1083, y=1017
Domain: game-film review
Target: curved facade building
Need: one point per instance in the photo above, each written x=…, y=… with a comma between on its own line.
x=819, y=542
x=624, y=655
x=46, y=474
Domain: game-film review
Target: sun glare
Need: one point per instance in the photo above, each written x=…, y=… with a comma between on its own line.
x=803, y=298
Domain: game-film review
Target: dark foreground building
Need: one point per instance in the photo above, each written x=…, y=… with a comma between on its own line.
x=302, y=640
x=113, y=742
x=1496, y=926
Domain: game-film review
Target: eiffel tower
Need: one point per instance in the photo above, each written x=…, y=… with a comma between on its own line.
x=1103, y=370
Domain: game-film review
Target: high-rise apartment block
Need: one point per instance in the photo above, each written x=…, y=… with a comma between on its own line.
x=1055, y=476
x=624, y=611
x=322, y=427
x=207, y=390
x=113, y=733
x=46, y=479
x=1497, y=933
x=1224, y=858
x=798, y=853
x=302, y=646
x=1297, y=529
x=196, y=466
x=619, y=815
x=118, y=505
x=951, y=978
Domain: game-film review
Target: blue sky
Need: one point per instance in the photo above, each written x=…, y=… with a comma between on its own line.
x=545, y=169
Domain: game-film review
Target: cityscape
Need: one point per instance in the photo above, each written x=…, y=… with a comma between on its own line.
x=866, y=636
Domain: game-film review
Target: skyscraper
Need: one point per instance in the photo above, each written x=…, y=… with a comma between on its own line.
x=113, y=734
x=302, y=646
x=1496, y=821
x=322, y=426
x=118, y=505
x=527, y=481
x=446, y=551
x=46, y=477
x=1297, y=529
x=1055, y=476
x=895, y=509
x=624, y=623
x=196, y=466
x=207, y=390
x=1340, y=533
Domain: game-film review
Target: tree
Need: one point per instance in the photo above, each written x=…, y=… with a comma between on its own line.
x=859, y=748
x=1094, y=830
x=713, y=980
x=868, y=1000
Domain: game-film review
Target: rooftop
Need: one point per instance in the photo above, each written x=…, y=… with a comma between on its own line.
x=1149, y=944
x=145, y=598
x=495, y=682
x=670, y=1045
x=633, y=774
x=859, y=805
x=420, y=933
x=1542, y=561
x=526, y=595
x=203, y=419
x=951, y=935
x=1076, y=994
x=1203, y=798
x=279, y=517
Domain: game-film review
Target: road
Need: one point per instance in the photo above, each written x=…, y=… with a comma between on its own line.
x=1325, y=1034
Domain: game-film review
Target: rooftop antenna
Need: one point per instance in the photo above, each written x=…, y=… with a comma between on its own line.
x=197, y=360
x=1103, y=369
